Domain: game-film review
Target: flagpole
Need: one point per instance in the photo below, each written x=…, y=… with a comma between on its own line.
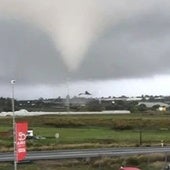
x=14, y=127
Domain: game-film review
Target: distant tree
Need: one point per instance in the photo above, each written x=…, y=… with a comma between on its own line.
x=143, y=98
x=41, y=99
x=142, y=107
x=132, y=106
x=151, y=98
x=6, y=106
x=93, y=105
x=155, y=107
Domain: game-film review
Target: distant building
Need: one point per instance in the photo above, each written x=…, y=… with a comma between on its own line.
x=116, y=112
x=79, y=101
x=161, y=105
x=134, y=99
x=162, y=108
x=122, y=98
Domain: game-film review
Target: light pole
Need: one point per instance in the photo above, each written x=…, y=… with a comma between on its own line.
x=14, y=130
x=68, y=97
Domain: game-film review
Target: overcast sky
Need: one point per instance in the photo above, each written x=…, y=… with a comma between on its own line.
x=110, y=48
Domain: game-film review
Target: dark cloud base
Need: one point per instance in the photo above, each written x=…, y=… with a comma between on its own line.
x=28, y=54
x=137, y=47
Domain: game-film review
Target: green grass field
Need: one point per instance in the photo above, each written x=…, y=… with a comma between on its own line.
x=99, y=134
x=92, y=130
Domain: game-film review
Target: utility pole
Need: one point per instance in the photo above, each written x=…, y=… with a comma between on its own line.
x=14, y=127
x=68, y=97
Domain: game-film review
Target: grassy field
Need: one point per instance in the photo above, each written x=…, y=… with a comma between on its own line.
x=92, y=131
x=103, y=135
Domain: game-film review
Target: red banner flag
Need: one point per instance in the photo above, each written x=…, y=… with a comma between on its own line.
x=21, y=134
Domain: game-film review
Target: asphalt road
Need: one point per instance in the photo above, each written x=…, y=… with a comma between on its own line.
x=84, y=153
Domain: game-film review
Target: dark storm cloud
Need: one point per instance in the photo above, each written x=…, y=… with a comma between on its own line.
x=28, y=54
x=137, y=46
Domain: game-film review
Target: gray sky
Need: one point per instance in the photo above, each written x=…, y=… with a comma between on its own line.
x=108, y=47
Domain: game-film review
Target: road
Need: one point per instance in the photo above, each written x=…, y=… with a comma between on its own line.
x=85, y=153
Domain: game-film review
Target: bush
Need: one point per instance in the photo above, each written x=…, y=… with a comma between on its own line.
x=122, y=125
x=132, y=161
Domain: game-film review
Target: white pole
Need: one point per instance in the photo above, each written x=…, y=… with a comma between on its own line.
x=14, y=130
x=68, y=96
